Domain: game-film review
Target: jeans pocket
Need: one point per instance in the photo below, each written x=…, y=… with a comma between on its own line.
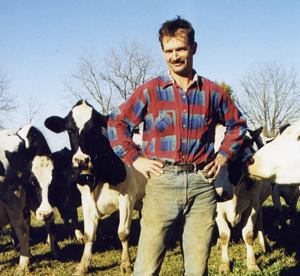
x=162, y=179
x=207, y=178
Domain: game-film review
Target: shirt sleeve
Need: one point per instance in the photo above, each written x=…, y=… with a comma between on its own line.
x=122, y=122
x=235, y=123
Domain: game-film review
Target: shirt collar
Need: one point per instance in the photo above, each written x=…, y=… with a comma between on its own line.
x=169, y=80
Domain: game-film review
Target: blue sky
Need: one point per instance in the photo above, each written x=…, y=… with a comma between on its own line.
x=41, y=41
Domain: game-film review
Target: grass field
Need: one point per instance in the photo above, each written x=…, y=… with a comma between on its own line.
x=283, y=258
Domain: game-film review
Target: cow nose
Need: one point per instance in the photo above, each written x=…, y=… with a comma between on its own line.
x=45, y=215
x=248, y=160
x=82, y=163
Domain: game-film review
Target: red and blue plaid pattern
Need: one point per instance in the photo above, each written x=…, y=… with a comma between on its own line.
x=179, y=126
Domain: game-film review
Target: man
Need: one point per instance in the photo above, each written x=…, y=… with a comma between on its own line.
x=180, y=111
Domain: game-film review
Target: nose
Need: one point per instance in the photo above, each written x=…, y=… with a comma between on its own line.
x=45, y=215
x=248, y=160
x=82, y=163
x=174, y=55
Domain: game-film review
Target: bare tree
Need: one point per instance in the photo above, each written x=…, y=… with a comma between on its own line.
x=32, y=108
x=7, y=102
x=86, y=82
x=129, y=66
x=271, y=96
x=111, y=79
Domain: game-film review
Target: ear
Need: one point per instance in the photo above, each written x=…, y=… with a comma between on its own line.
x=55, y=124
x=194, y=47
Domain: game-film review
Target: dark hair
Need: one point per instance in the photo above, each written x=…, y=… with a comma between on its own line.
x=171, y=27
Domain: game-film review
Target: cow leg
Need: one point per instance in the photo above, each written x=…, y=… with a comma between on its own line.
x=278, y=212
x=224, y=234
x=293, y=208
x=20, y=221
x=261, y=233
x=126, y=206
x=50, y=227
x=78, y=233
x=19, y=218
x=248, y=235
x=90, y=220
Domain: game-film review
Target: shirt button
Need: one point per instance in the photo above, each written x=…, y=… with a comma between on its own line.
x=183, y=96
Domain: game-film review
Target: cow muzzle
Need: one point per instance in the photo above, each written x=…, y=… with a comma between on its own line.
x=46, y=215
x=82, y=164
x=81, y=160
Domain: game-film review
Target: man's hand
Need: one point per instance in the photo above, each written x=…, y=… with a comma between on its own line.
x=146, y=166
x=215, y=166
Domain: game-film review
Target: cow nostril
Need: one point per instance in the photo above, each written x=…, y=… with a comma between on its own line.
x=83, y=163
x=46, y=216
x=250, y=161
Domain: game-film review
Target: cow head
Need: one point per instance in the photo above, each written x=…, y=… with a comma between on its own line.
x=92, y=153
x=40, y=174
x=252, y=142
x=279, y=160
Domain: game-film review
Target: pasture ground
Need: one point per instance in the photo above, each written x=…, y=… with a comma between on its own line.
x=282, y=259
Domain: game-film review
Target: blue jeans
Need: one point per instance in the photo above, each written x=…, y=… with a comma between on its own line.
x=185, y=198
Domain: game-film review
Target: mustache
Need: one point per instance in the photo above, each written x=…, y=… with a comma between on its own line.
x=179, y=60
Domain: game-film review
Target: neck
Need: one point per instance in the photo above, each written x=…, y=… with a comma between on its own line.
x=183, y=81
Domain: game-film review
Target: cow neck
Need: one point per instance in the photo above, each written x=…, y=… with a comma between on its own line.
x=112, y=168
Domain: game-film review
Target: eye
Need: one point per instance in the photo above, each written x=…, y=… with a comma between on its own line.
x=298, y=138
x=69, y=130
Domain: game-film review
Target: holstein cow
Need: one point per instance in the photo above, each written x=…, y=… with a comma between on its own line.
x=13, y=159
x=51, y=183
x=279, y=162
x=247, y=197
x=105, y=182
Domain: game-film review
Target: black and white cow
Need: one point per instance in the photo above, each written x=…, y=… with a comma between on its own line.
x=13, y=161
x=106, y=183
x=245, y=197
x=51, y=183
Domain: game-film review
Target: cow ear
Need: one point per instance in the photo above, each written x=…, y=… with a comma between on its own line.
x=55, y=124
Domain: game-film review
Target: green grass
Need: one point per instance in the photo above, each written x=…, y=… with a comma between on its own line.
x=283, y=258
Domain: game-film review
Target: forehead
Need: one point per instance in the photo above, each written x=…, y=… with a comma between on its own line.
x=180, y=39
x=81, y=114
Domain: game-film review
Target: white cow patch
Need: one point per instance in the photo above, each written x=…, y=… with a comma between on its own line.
x=81, y=114
x=23, y=132
x=9, y=142
x=42, y=168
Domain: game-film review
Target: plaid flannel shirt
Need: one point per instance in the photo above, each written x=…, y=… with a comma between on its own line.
x=179, y=125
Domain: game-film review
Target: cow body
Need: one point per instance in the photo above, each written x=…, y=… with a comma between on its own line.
x=243, y=196
x=12, y=192
x=51, y=183
x=106, y=183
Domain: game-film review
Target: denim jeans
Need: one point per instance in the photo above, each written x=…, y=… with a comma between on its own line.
x=185, y=198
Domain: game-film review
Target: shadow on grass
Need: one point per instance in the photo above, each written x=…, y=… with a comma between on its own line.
x=288, y=238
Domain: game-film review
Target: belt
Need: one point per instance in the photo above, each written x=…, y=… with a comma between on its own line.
x=184, y=167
